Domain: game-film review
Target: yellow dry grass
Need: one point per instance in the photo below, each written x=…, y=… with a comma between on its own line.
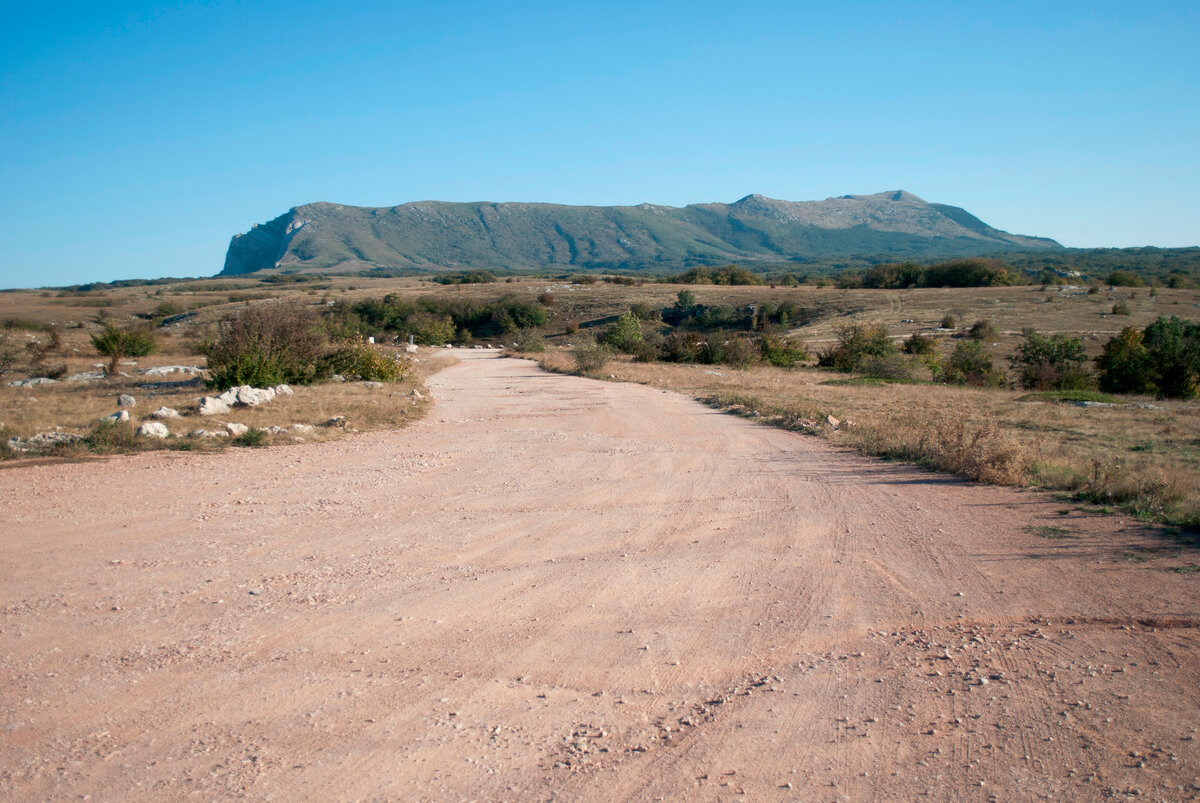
x=1145, y=459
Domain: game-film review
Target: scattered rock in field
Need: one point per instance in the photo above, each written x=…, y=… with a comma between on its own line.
x=301, y=428
x=42, y=441
x=211, y=405
x=275, y=430
x=283, y=390
x=86, y=376
x=208, y=433
x=163, y=413
x=416, y=394
x=337, y=378
x=831, y=421
x=31, y=382
x=252, y=397
x=369, y=384
x=242, y=395
x=236, y=429
x=125, y=400
x=1095, y=404
x=164, y=370
x=336, y=421
x=117, y=417
x=153, y=429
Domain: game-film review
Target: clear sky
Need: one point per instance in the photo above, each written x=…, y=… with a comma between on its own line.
x=136, y=139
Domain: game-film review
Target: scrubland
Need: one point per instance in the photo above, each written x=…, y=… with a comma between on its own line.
x=1141, y=454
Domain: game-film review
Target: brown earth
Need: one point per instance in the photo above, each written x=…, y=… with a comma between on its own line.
x=560, y=588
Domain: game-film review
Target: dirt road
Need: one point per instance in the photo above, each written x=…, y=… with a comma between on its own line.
x=561, y=588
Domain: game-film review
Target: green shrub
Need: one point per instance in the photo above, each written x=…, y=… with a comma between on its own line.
x=645, y=311
x=1173, y=346
x=949, y=321
x=111, y=436
x=531, y=341
x=682, y=346
x=1051, y=362
x=1124, y=278
x=1124, y=364
x=893, y=367
x=253, y=438
x=729, y=274
x=857, y=342
x=971, y=364
x=733, y=350
x=625, y=335
x=780, y=352
x=370, y=364
x=266, y=346
x=918, y=343
x=590, y=356
x=117, y=344
x=984, y=330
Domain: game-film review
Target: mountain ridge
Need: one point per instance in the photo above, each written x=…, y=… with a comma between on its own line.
x=442, y=235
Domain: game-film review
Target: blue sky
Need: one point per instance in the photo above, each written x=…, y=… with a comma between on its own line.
x=136, y=139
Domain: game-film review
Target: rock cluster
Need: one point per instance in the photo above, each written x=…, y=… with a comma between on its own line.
x=241, y=396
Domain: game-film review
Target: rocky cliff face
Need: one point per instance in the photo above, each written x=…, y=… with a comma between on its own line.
x=437, y=235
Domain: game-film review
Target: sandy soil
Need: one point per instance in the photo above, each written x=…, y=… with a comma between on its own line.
x=561, y=588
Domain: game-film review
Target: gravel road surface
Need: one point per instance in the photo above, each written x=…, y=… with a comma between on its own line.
x=560, y=588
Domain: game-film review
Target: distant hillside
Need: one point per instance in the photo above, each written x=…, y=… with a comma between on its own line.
x=433, y=235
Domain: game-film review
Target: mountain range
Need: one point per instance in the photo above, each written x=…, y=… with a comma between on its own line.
x=436, y=235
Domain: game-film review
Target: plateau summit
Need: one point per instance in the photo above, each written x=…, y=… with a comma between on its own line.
x=435, y=235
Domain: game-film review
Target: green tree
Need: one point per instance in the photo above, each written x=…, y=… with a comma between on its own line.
x=117, y=344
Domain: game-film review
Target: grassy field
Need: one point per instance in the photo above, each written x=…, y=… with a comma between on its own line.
x=1141, y=456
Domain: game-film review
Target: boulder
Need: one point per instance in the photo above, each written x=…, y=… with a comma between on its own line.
x=831, y=421
x=120, y=415
x=213, y=405
x=283, y=390
x=125, y=400
x=236, y=429
x=252, y=397
x=369, y=384
x=153, y=429
x=336, y=421
x=163, y=413
x=301, y=429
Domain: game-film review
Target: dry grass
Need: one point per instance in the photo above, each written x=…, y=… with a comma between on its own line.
x=1138, y=459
